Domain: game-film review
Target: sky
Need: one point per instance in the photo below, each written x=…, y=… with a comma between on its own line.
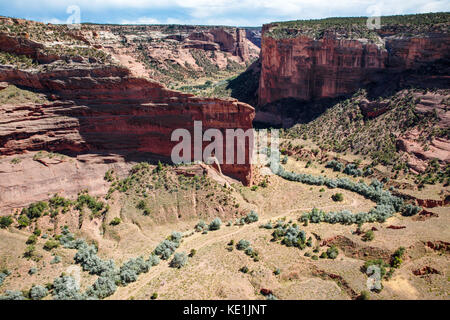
x=208, y=12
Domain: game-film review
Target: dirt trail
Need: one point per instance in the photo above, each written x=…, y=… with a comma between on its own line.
x=202, y=241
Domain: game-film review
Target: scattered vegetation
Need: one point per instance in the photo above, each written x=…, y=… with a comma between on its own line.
x=368, y=236
x=116, y=221
x=356, y=27
x=338, y=197
x=5, y=221
x=179, y=260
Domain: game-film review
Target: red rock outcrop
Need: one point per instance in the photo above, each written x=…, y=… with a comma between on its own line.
x=425, y=271
x=305, y=68
x=438, y=245
x=429, y=203
x=396, y=227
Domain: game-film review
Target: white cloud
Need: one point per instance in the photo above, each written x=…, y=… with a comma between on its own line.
x=54, y=21
x=141, y=20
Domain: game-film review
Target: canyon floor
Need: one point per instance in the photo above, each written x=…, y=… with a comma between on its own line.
x=214, y=271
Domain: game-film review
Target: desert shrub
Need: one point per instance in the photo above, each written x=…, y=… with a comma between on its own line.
x=67, y=240
x=32, y=271
x=12, y=295
x=277, y=272
x=332, y=252
x=368, y=171
x=377, y=262
x=250, y=251
x=154, y=296
x=16, y=161
x=290, y=235
x=338, y=197
x=244, y=269
x=251, y=217
x=38, y=292
x=128, y=276
x=215, y=224
x=137, y=264
x=37, y=232
x=352, y=170
x=364, y=295
x=153, y=260
x=130, y=270
x=201, y=226
x=102, y=288
x=3, y=275
x=23, y=221
x=55, y=260
x=59, y=202
x=166, y=248
x=166, y=254
x=324, y=255
x=335, y=165
x=87, y=257
x=410, y=210
x=116, y=221
x=31, y=239
x=66, y=288
x=5, y=221
x=192, y=253
x=109, y=175
x=51, y=244
x=242, y=244
x=29, y=251
x=176, y=236
x=396, y=259
x=368, y=236
x=35, y=210
x=179, y=260
x=84, y=199
x=141, y=205
x=268, y=225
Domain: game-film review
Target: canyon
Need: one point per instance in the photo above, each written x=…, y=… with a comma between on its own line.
x=308, y=67
x=86, y=123
x=174, y=54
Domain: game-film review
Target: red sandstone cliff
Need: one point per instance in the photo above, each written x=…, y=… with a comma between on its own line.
x=103, y=108
x=307, y=68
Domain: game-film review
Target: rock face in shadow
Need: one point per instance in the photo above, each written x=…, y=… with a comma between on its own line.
x=306, y=68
